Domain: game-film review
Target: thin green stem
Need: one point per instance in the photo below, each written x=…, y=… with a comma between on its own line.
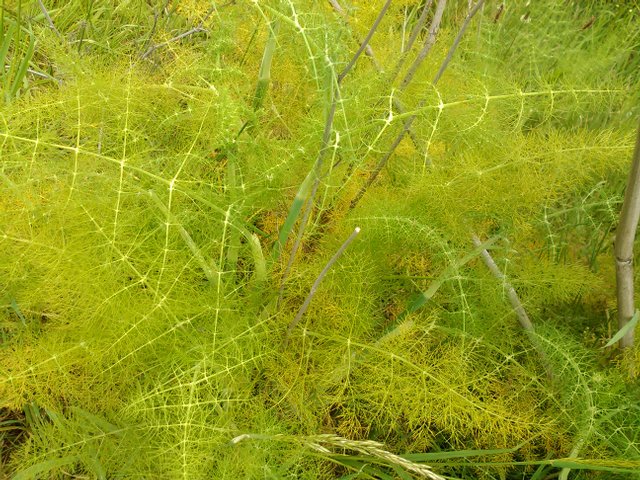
x=316, y=284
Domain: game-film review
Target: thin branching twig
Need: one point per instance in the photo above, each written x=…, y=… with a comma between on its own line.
x=316, y=284
x=197, y=29
x=409, y=121
x=456, y=42
x=419, y=24
x=38, y=74
x=52, y=26
x=152, y=49
x=518, y=308
x=397, y=104
x=516, y=304
x=412, y=38
x=156, y=16
x=365, y=42
x=428, y=44
x=368, y=50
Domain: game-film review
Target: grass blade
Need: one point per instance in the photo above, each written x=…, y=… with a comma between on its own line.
x=18, y=312
x=264, y=77
x=21, y=72
x=7, y=38
x=432, y=456
x=293, y=214
x=629, y=326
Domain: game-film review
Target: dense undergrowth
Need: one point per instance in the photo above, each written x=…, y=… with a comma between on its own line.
x=153, y=193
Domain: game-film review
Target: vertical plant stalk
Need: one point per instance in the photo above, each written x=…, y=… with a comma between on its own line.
x=316, y=284
x=397, y=104
x=314, y=176
x=296, y=245
x=516, y=304
x=456, y=42
x=292, y=215
x=409, y=121
x=264, y=76
x=52, y=25
x=309, y=184
x=412, y=39
x=623, y=249
x=428, y=44
x=232, y=187
x=156, y=16
x=419, y=24
x=230, y=152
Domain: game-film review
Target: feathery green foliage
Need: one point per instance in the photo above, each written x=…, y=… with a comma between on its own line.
x=145, y=233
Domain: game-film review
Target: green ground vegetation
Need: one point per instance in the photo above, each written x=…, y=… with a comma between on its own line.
x=176, y=175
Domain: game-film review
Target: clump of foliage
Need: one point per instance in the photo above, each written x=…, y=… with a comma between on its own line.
x=176, y=176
